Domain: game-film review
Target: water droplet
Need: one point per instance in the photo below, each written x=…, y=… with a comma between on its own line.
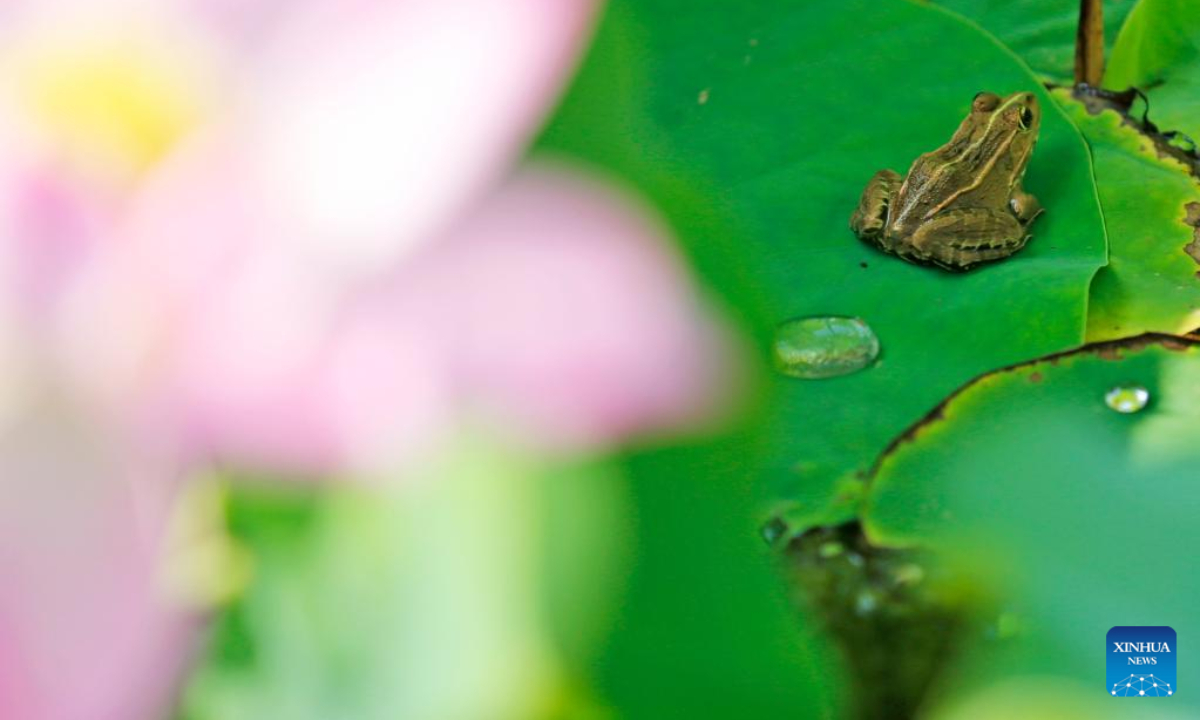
x=824, y=347
x=1127, y=398
x=865, y=603
x=773, y=530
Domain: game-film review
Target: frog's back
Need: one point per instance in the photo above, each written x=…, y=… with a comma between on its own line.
x=929, y=178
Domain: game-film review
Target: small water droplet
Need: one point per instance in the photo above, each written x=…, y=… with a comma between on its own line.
x=824, y=347
x=773, y=530
x=865, y=603
x=1127, y=398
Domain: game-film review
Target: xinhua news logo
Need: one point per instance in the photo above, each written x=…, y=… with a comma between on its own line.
x=1141, y=661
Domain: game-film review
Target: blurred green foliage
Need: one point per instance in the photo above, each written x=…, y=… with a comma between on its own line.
x=419, y=601
x=492, y=585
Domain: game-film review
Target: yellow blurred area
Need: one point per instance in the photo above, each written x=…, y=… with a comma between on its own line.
x=204, y=567
x=118, y=101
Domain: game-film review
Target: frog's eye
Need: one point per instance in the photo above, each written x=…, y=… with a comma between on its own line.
x=985, y=102
x=1025, y=118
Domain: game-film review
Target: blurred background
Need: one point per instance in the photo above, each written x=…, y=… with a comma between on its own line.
x=321, y=396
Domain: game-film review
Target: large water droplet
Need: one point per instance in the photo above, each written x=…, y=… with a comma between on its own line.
x=1127, y=398
x=824, y=347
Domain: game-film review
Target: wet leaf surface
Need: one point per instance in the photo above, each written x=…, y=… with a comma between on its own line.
x=1075, y=517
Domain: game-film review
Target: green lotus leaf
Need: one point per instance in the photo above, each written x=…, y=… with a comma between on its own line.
x=1076, y=516
x=779, y=113
x=1158, y=51
x=1150, y=282
x=1042, y=32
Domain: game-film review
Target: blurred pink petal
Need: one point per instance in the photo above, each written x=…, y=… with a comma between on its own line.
x=202, y=322
x=50, y=231
x=49, y=226
x=85, y=635
x=561, y=306
x=555, y=306
x=376, y=121
x=206, y=321
x=555, y=310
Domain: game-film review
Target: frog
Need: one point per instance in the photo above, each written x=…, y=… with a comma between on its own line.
x=963, y=204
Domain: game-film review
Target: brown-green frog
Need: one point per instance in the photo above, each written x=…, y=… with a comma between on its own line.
x=962, y=204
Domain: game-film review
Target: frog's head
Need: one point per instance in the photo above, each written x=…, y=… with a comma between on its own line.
x=1011, y=122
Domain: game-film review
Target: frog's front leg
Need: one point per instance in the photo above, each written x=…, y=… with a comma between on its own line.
x=869, y=218
x=1025, y=206
x=962, y=238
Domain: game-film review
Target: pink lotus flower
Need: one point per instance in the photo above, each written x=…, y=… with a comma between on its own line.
x=288, y=236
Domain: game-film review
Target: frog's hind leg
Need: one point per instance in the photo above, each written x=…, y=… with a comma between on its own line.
x=961, y=239
x=1025, y=206
x=868, y=219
